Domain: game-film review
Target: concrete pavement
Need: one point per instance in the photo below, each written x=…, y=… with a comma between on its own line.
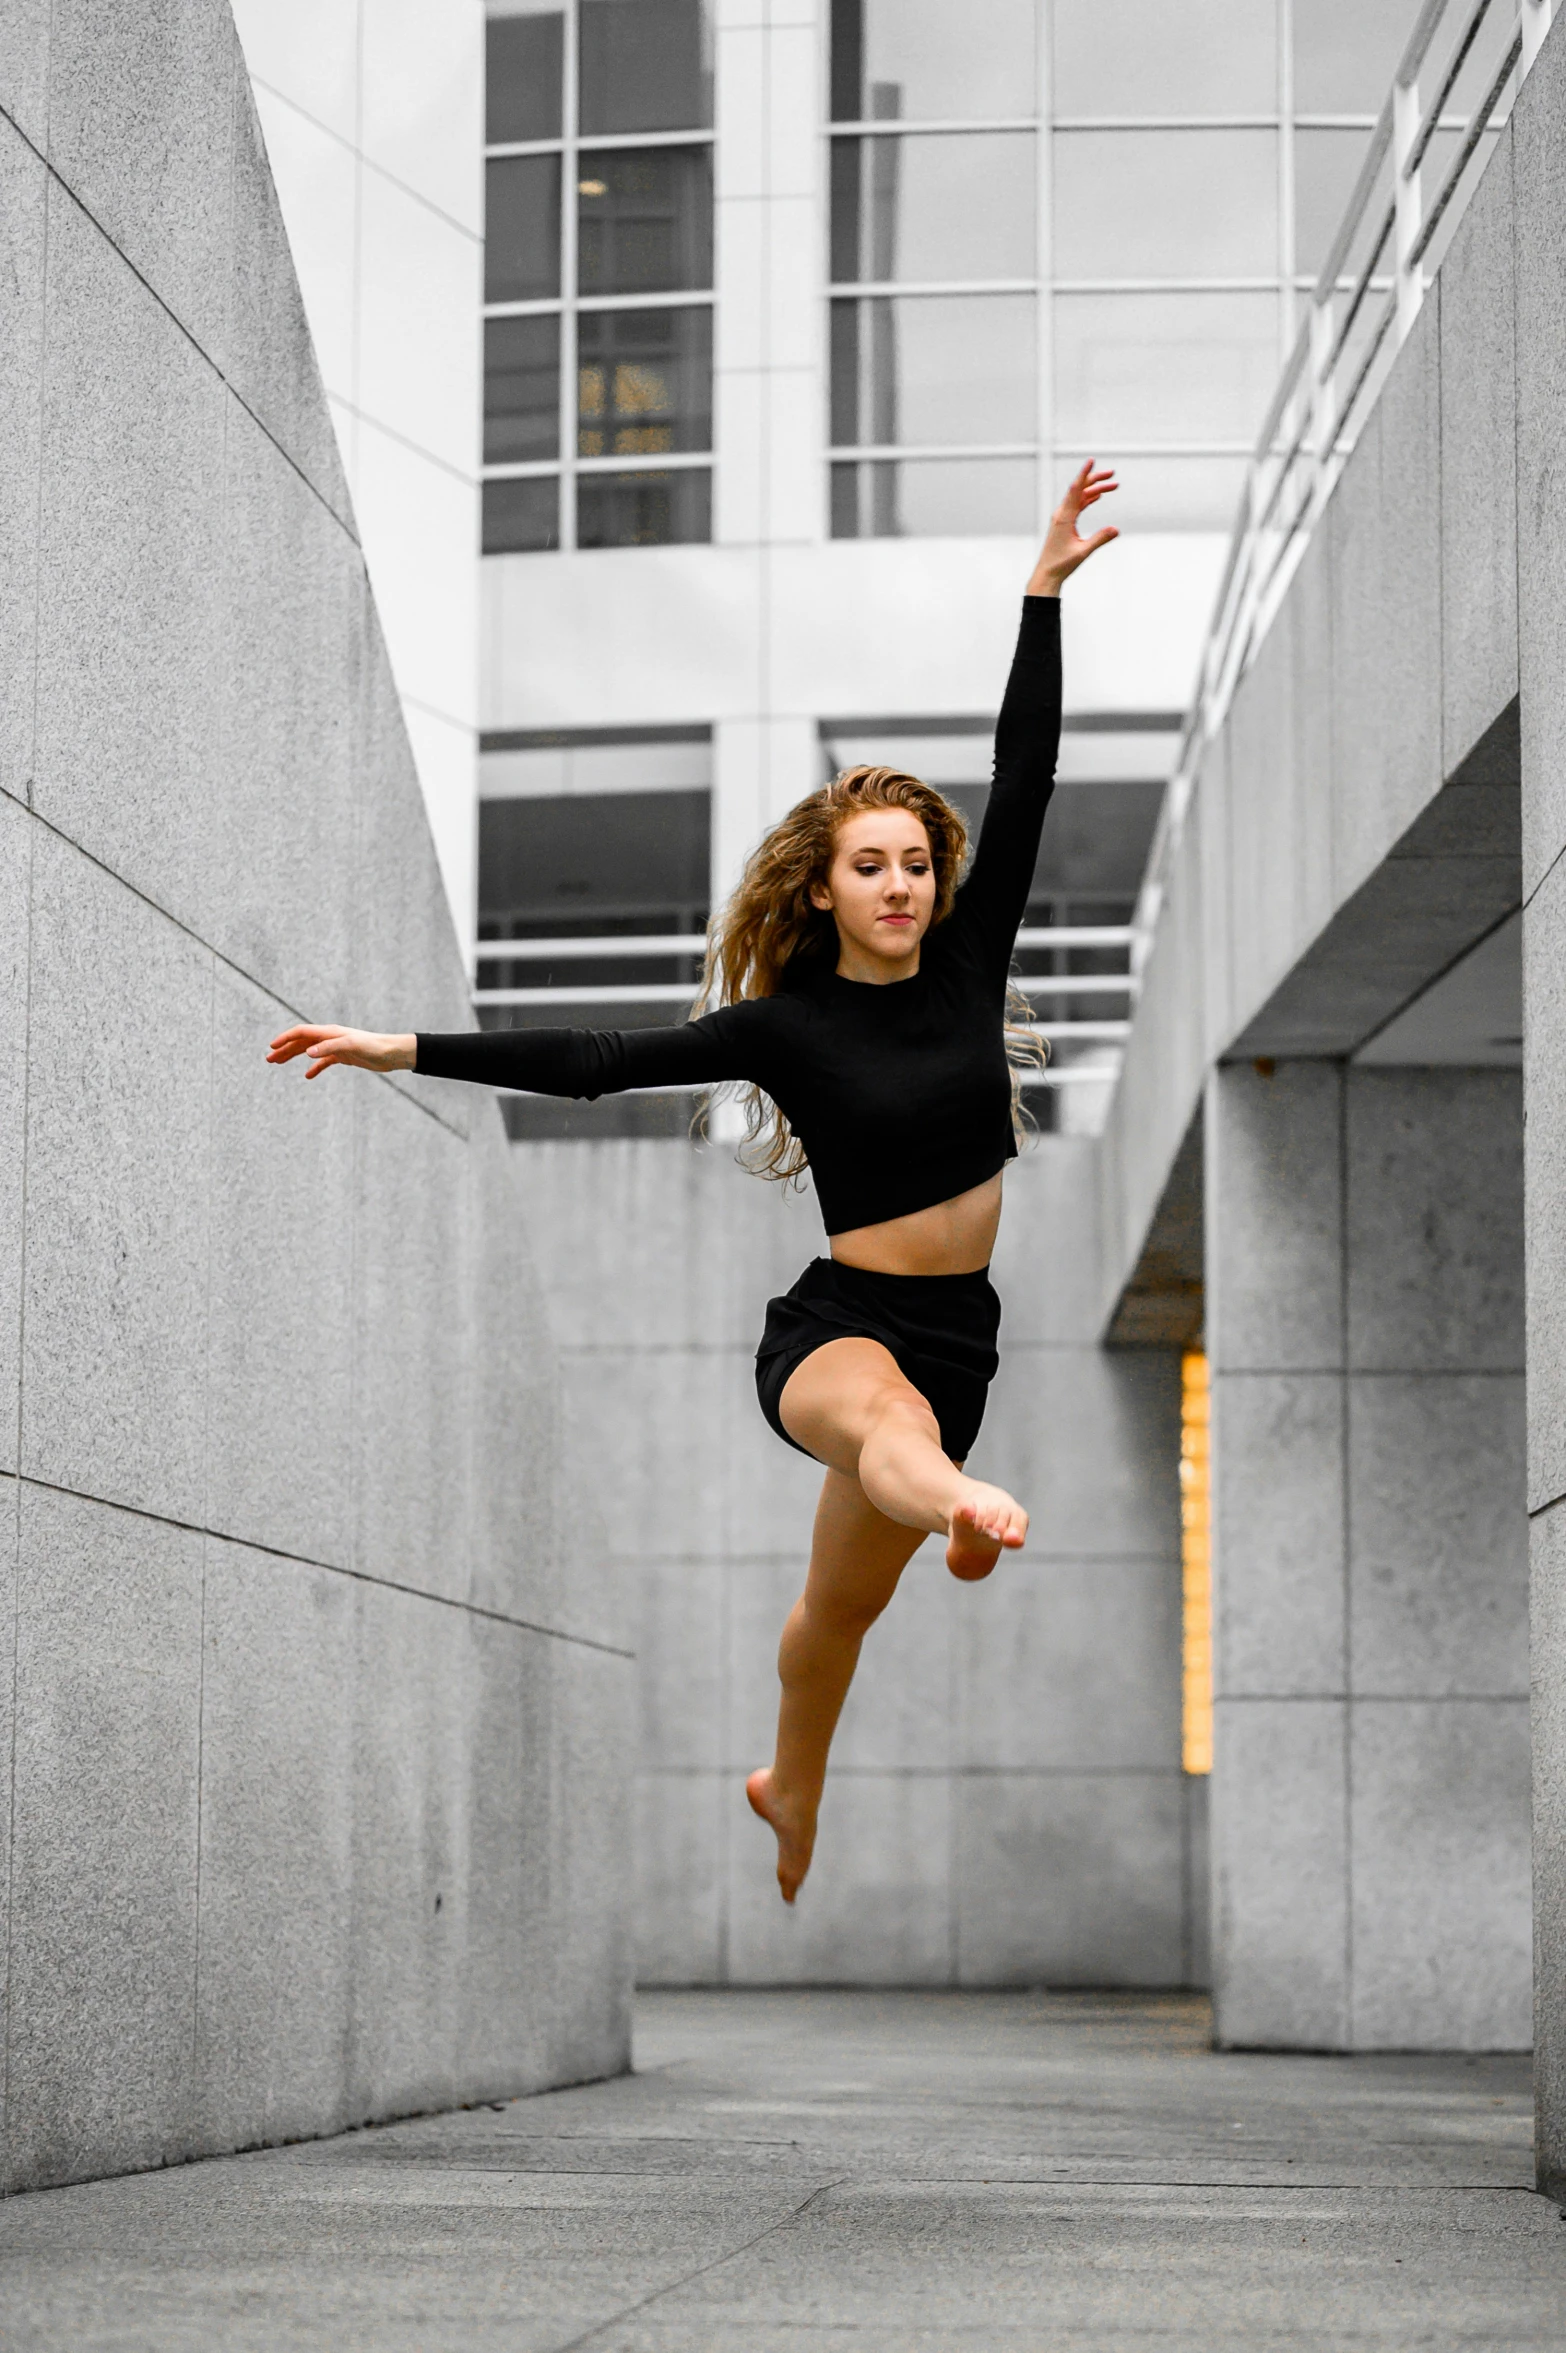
x=820, y=2172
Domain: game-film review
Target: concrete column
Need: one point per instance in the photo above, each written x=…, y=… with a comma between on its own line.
x=769, y=392
x=1370, y=1812
x=1540, y=167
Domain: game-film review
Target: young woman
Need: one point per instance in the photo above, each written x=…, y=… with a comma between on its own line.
x=861, y=995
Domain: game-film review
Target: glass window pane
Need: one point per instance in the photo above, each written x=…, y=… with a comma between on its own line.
x=521, y=390
x=1326, y=165
x=1163, y=367
x=521, y=228
x=644, y=510
x=934, y=498
x=939, y=209
x=1123, y=57
x=934, y=369
x=925, y=61
x=646, y=65
x=587, y=863
x=644, y=220
x=521, y=517
x=524, y=49
x=1174, y=494
x=1166, y=204
x=644, y=382
x=1346, y=52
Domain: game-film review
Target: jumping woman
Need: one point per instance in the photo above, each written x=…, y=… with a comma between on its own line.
x=860, y=993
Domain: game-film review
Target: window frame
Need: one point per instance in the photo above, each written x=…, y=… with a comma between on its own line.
x=569, y=467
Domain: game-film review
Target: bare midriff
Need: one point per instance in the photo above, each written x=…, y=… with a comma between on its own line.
x=955, y=1237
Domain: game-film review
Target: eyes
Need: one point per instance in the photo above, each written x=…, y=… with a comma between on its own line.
x=871, y=867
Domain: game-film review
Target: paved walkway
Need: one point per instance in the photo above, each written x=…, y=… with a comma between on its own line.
x=849, y=2173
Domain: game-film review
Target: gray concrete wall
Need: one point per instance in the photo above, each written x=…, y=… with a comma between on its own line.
x=315, y=1688
x=1541, y=575
x=1354, y=826
x=1370, y=1781
x=1385, y=789
x=1005, y=1803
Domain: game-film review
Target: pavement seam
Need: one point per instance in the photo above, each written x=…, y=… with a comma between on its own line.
x=731, y=2254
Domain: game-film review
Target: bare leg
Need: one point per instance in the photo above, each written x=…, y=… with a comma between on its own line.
x=856, y=1558
x=888, y=1484
x=850, y=1407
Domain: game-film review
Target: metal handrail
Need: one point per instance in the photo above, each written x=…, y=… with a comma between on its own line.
x=694, y=943
x=1312, y=422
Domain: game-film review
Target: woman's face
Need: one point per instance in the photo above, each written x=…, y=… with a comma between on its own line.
x=880, y=887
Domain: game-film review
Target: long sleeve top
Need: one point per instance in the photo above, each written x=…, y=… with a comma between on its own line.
x=900, y=1092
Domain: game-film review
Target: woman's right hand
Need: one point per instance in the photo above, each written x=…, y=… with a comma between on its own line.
x=355, y=1049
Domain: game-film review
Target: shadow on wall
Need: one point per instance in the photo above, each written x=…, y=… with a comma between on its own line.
x=320, y=1693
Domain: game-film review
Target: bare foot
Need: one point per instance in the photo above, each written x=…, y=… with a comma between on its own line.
x=795, y=1844
x=986, y=1522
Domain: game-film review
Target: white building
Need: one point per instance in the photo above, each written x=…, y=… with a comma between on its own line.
x=372, y=111
x=799, y=313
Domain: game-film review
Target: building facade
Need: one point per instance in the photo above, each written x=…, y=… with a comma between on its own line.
x=372, y=118
x=798, y=315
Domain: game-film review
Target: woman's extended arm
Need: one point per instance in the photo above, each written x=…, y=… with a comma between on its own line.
x=727, y=1044
x=991, y=903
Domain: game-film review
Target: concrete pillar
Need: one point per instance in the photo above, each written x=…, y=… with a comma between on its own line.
x=1540, y=166
x=1370, y=1799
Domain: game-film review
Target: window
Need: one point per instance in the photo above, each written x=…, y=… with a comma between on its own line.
x=945, y=378
x=646, y=65
x=928, y=61
x=645, y=221
x=588, y=843
x=948, y=370
x=1346, y=52
x=942, y=498
x=1166, y=204
x=1131, y=57
x=644, y=382
x=526, y=50
x=597, y=274
x=934, y=209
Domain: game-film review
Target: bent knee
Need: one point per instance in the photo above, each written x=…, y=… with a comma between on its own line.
x=899, y=1411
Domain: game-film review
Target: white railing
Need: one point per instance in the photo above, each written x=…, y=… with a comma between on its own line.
x=1035, y=985
x=1460, y=72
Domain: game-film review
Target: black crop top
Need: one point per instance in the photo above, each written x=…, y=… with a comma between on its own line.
x=899, y=1091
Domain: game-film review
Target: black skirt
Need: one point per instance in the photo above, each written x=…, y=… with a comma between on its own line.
x=940, y=1329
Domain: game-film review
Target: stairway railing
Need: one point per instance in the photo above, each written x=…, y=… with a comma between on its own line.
x=1422, y=166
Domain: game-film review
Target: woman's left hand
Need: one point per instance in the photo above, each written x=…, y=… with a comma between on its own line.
x=1065, y=548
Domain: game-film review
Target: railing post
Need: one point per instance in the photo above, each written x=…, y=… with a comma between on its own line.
x=1323, y=401
x=1406, y=196
x=1535, y=23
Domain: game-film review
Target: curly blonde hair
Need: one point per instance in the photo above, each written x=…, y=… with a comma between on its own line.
x=771, y=930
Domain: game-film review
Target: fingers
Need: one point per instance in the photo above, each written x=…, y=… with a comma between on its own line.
x=301, y=1039
x=1100, y=539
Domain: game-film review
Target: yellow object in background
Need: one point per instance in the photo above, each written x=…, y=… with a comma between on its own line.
x=1196, y=1729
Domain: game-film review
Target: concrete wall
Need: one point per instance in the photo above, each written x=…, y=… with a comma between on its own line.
x=374, y=126
x=313, y=1697
x=1005, y=1803
x=1354, y=826
x=1386, y=788
x=1541, y=576
x=1370, y=1779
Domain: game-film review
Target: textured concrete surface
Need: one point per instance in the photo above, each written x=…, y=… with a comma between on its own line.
x=1365, y=1331
x=1541, y=571
x=1342, y=846
x=894, y=2173
x=1006, y=1802
x=314, y=1685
